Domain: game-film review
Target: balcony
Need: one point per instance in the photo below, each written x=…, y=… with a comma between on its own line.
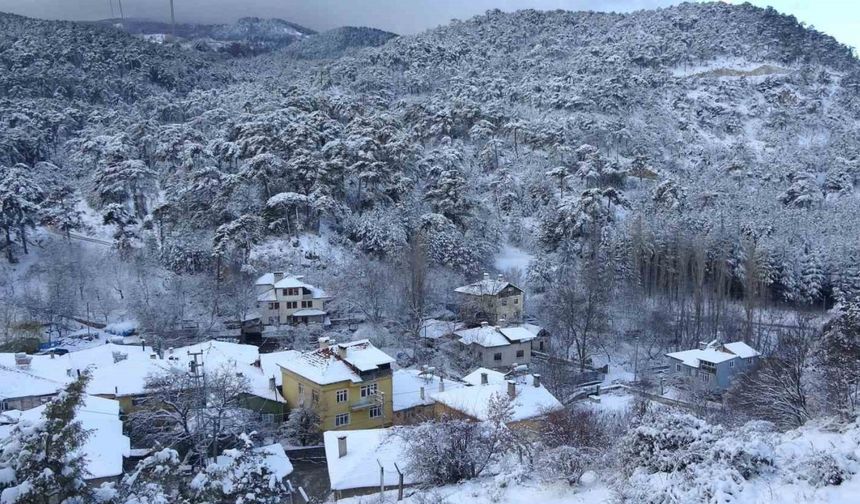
x=367, y=402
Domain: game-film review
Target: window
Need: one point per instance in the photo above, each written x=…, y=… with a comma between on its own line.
x=301, y=394
x=678, y=368
x=521, y=353
x=541, y=346
x=516, y=300
x=342, y=396
x=497, y=356
x=342, y=419
x=375, y=412
x=504, y=302
x=732, y=363
x=705, y=377
x=307, y=304
x=368, y=390
x=315, y=397
x=268, y=418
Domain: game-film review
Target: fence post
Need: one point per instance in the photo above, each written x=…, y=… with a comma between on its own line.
x=399, y=483
x=381, y=481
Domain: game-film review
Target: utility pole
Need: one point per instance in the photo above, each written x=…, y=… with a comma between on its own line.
x=121, y=15
x=110, y=4
x=172, y=21
x=195, y=369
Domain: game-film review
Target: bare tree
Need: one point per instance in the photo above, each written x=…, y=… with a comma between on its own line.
x=194, y=416
x=576, y=311
x=779, y=389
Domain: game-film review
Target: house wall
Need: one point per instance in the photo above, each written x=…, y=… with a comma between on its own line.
x=719, y=381
x=328, y=407
x=414, y=415
x=506, y=308
x=486, y=356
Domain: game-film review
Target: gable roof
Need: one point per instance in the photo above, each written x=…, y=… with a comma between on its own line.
x=105, y=446
x=474, y=401
x=407, y=385
x=489, y=336
x=742, y=350
x=486, y=286
x=714, y=353
x=287, y=282
x=338, y=362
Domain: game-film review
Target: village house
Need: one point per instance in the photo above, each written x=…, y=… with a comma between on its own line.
x=356, y=458
x=286, y=299
x=348, y=384
x=120, y=372
x=105, y=447
x=413, y=394
x=497, y=347
x=491, y=300
x=530, y=400
x=713, y=365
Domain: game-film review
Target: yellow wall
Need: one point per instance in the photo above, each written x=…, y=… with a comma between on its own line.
x=328, y=406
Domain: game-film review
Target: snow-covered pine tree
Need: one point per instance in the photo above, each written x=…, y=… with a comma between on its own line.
x=45, y=457
x=812, y=277
x=20, y=198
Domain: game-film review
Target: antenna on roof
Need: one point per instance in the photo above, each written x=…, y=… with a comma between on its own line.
x=172, y=20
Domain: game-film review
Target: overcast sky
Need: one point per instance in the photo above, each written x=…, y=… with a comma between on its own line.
x=840, y=18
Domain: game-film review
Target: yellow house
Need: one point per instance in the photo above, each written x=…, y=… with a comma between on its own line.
x=348, y=384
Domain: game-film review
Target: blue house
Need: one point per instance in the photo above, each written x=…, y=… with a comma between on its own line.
x=713, y=366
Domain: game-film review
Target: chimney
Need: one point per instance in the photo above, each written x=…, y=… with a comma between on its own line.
x=272, y=385
x=536, y=378
x=486, y=276
x=22, y=360
x=484, y=323
x=512, y=389
x=484, y=379
x=441, y=384
x=278, y=276
x=422, y=393
x=143, y=344
x=341, y=446
x=323, y=341
x=170, y=351
x=341, y=351
x=501, y=278
x=52, y=354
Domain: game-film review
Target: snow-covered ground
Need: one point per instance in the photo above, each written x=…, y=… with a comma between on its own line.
x=497, y=491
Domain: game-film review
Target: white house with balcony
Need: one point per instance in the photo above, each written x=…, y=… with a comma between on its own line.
x=713, y=365
x=287, y=299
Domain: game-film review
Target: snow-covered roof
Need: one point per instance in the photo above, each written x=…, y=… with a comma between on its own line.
x=486, y=286
x=486, y=336
x=16, y=382
x=518, y=334
x=474, y=378
x=407, y=384
x=338, y=362
x=267, y=296
x=274, y=458
x=217, y=354
x=489, y=336
x=742, y=350
x=309, y=312
x=105, y=446
x=715, y=353
x=533, y=328
x=474, y=401
x=269, y=363
x=289, y=282
x=365, y=451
